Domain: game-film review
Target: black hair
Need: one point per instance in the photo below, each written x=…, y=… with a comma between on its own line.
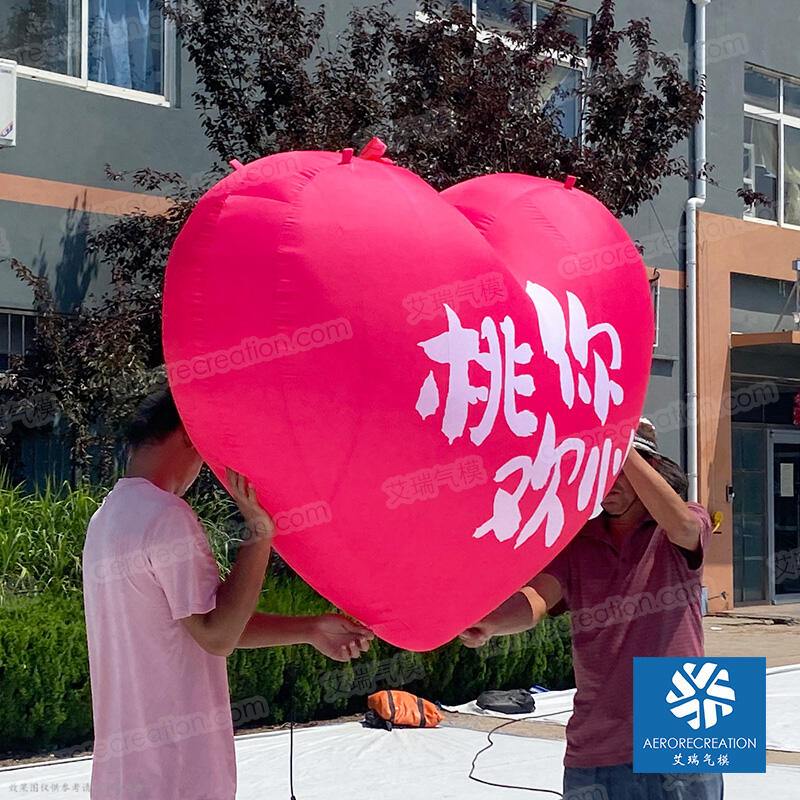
x=674, y=476
x=154, y=420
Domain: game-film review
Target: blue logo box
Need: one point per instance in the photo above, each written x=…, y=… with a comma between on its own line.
x=699, y=714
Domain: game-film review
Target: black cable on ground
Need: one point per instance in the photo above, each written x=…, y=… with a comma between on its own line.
x=494, y=730
x=292, y=675
x=291, y=735
x=291, y=670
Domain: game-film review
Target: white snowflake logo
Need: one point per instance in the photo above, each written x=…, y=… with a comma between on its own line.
x=700, y=695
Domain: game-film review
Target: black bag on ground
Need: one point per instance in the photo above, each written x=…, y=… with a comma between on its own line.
x=514, y=701
x=373, y=720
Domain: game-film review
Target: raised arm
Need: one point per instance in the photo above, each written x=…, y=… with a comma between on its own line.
x=219, y=630
x=665, y=506
x=233, y=623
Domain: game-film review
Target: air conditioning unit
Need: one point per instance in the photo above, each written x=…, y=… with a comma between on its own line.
x=8, y=103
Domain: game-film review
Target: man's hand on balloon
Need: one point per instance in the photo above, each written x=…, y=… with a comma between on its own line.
x=338, y=638
x=259, y=522
x=478, y=634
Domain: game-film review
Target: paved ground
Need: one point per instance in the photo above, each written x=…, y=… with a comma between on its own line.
x=739, y=636
x=788, y=613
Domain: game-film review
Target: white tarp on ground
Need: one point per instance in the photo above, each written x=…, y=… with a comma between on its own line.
x=783, y=708
x=552, y=706
x=351, y=762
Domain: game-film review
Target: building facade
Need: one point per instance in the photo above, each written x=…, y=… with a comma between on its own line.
x=747, y=358
x=87, y=98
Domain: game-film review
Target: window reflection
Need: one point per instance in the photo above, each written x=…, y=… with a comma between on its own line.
x=44, y=34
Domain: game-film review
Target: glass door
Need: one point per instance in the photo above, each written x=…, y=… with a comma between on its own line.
x=784, y=515
x=750, y=549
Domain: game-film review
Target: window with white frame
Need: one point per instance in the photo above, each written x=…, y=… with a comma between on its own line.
x=126, y=44
x=564, y=79
x=16, y=336
x=772, y=144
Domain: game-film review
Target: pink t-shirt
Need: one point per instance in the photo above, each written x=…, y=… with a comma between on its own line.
x=642, y=599
x=162, y=716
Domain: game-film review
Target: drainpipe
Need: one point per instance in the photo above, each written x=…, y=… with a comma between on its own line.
x=692, y=205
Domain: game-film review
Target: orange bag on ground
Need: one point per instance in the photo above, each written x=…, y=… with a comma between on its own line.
x=404, y=708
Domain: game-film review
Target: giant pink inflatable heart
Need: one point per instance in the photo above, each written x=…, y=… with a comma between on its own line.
x=431, y=392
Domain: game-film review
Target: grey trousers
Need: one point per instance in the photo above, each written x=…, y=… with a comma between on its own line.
x=620, y=782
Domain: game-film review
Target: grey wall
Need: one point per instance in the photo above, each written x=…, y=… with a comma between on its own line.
x=664, y=404
x=51, y=241
x=69, y=134
x=764, y=34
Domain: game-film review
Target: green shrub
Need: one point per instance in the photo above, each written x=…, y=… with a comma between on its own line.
x=45, y=698
x=41, y=538
x=42, y=535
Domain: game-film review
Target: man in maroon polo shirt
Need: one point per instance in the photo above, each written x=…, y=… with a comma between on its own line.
x=632, y=580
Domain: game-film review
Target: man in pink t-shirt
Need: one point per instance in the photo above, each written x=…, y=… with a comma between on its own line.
x=632, y=580
x=160, y=623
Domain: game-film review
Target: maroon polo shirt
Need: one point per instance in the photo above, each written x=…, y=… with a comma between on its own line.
x=642, y=599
